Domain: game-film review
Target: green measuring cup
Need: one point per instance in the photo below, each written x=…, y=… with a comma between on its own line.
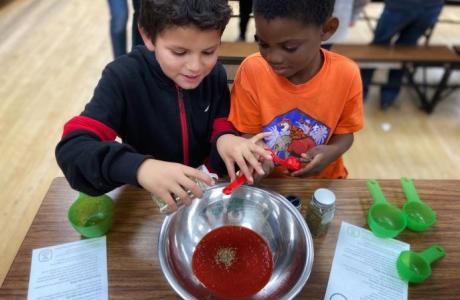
x=415, y=267
x=420, y=216
x=384, y=219
x=91, y=216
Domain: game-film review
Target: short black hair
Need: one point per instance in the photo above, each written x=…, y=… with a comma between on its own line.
x=158, y=15
x=314, y=12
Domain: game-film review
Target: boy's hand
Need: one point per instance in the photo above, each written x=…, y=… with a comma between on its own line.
x=245, y=152
x=321, y=156
x=317, y=159
x=267, y=166
x=165, y=178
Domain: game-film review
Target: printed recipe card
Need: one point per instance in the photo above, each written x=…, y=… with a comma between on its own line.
x=364, y=267
x=76, y=270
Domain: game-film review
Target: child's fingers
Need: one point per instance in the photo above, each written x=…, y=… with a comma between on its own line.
x=182, y=195
x=245, y=170
x=305, y=157
x=199, y=175
x=230, y=169
x=260, y=136
x=168, y=199
x=188, y=190
x=308, y=168
x=254, y=163
x=262, y=152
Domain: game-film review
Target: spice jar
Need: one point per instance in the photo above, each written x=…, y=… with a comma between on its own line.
x=320, y=211
x=295, y=200
x=164, y=208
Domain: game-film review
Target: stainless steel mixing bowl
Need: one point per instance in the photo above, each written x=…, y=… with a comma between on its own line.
x=265, y=212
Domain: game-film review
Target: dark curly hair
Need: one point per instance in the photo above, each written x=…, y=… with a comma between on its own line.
x=308, y=11
x=158, y=15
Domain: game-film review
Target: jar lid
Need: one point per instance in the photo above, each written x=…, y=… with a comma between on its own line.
x=324, y=197
x=295, y=200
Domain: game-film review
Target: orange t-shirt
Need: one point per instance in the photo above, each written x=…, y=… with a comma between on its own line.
x=299, y=116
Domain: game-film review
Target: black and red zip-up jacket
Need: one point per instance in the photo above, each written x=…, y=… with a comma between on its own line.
x=137, y=102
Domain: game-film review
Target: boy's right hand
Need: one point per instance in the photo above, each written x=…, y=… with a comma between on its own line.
x=245, y=152
x=166, y=178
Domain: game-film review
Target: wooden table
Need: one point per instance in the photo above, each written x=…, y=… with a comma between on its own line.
x=133, y=267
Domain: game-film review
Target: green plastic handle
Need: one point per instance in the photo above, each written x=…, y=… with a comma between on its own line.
x=376, y=192
x=433, y=253
x=409, y=190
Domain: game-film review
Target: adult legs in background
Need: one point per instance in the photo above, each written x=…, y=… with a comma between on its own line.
x=389, y=23
x=136, y=36
x=409, y=35
x=118, y=19
x=407, y=26
x=245, y=12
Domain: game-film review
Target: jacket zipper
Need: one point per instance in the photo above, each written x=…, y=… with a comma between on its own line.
x=183, y=126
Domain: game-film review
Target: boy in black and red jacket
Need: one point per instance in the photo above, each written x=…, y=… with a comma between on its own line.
x=168, y=102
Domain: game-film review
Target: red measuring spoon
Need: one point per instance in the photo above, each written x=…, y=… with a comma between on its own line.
x=239, y=181
x=291, y=163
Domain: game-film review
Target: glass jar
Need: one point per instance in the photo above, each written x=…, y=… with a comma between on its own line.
x=320, y=211
x=164, y=208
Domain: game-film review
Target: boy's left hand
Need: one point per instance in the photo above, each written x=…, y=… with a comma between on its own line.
x=321, y=156
x=317, y=159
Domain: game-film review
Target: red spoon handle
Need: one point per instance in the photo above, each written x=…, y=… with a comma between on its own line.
x=239, y=181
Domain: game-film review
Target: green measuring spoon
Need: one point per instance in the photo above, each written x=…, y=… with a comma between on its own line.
x=415, y=267
x=384, y=219
x=420, y=216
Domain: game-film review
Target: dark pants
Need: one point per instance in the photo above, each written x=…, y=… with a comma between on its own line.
x=118, y=20
x=137, y=39
x=405, y=27
x=245, y=12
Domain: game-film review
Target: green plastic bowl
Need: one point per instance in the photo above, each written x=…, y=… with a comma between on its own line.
x=91, y=216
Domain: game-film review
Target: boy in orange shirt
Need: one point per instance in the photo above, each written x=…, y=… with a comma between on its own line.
x=310, y=99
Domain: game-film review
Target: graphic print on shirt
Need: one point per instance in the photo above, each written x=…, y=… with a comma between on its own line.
x=294, y=133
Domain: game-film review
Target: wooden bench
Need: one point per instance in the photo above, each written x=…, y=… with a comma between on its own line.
x=406, y=57
x=457, y=49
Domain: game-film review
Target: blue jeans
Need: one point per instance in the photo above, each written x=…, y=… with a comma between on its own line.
x=407, y=26
x=118, y=20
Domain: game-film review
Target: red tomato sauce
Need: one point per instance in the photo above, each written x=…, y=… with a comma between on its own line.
x=233, y=262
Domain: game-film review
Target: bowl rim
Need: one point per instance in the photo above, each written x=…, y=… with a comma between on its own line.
x=306, y=272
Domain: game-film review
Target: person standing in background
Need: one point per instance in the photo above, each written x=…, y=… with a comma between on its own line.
x=245, y=13
x=118, y=19
x=402, y=22
x=347, y=11
x=136, y=36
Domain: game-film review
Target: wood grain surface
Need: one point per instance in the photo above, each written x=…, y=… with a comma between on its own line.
x=133, y=265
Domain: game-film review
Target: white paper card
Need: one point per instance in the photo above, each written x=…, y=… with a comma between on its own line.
x=76, y=270
x=364, y=267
